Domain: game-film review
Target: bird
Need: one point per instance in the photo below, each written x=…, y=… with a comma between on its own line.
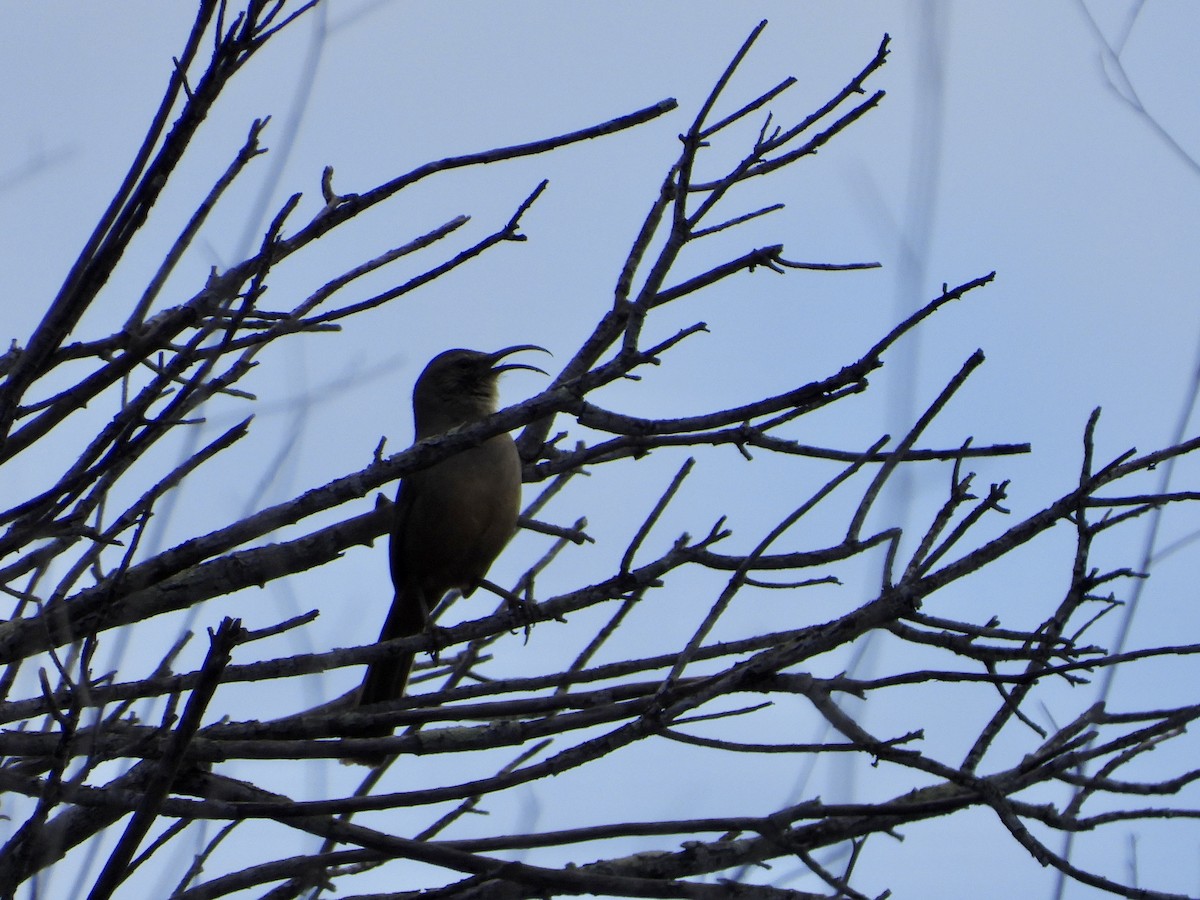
x=451, y=520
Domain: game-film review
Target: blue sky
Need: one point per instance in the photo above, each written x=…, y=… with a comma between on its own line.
x=1010, y=139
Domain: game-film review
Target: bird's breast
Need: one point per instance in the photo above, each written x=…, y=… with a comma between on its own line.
x=464, y=510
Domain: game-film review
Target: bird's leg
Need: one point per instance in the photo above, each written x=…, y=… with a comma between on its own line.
x=435, y=634
x=518, y=607
x=438, y=639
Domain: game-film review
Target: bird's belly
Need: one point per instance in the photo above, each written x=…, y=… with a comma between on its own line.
x=467, y=519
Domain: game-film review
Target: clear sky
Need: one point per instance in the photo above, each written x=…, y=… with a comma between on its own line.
x=1011, y=139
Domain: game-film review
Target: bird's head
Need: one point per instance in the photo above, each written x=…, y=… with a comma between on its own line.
x=459, y=387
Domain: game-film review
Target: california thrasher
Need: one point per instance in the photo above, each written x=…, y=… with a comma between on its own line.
x=451, y=520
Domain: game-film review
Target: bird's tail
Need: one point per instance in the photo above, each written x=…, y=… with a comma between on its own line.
x=387, y=678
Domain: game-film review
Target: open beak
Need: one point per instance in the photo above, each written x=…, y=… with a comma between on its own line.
x=508, y=351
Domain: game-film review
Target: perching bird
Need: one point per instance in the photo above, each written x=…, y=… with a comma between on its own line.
x=452, y=519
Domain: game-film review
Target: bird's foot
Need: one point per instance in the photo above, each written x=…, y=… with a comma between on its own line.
x=521, y=610
x=438, y=637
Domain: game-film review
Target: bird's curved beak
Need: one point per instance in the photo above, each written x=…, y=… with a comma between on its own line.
x=508, y=351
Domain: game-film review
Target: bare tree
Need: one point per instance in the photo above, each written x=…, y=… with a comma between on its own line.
x=100, y=780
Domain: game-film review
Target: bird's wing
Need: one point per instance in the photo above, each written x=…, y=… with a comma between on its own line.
x=400, y=516
x=387, y=678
